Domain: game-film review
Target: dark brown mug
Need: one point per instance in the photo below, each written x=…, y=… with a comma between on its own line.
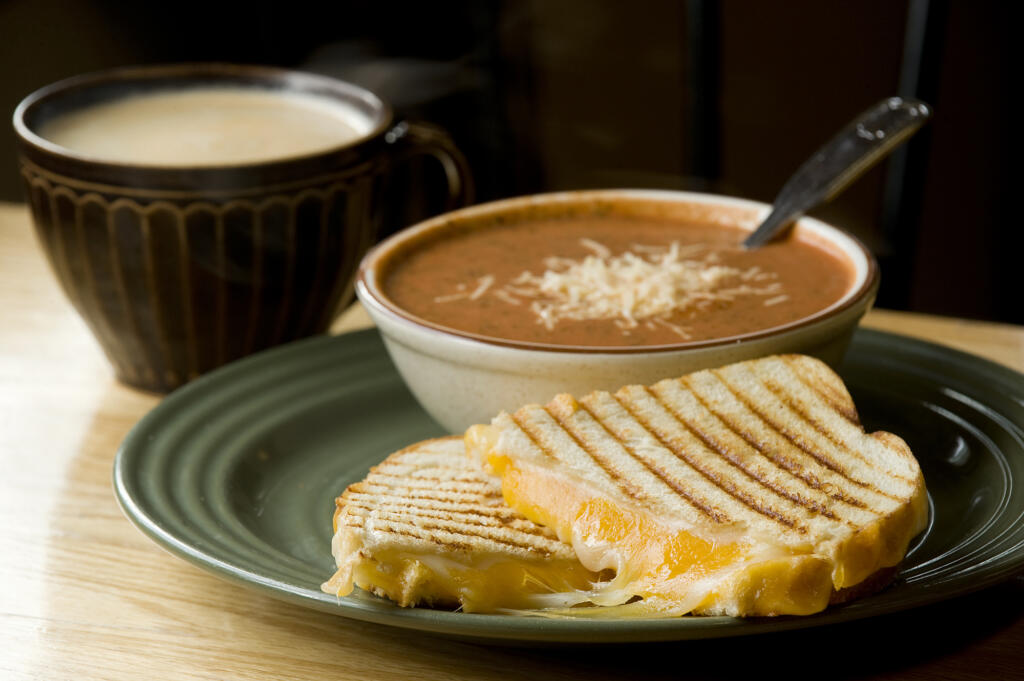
x=180, y=269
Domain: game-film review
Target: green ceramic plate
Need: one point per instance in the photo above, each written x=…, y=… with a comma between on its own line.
x=237, y=473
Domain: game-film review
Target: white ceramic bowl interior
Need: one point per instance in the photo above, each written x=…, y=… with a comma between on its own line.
x=461, y=380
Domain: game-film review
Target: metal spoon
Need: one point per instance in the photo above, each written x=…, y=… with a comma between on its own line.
x=866, y=140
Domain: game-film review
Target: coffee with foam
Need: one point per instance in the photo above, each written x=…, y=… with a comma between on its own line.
x=206, y=127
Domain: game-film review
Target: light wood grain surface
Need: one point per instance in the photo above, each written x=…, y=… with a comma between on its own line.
x=84, y=595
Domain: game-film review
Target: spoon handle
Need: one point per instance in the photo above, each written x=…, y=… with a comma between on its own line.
x=866, y=140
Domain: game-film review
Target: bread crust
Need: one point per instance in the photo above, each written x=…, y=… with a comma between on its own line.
x=874, y=583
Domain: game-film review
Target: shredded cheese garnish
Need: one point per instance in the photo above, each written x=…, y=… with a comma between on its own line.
x=462, y=292
x=483, y=284
x=776, y=300
x=646, y=285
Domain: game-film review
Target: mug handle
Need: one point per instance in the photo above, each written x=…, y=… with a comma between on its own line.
x=413, y=138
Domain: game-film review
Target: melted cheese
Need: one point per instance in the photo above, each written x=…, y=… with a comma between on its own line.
x=472, y=582
x=674, y=571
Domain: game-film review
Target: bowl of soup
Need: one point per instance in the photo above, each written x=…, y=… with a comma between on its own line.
x=505, y=303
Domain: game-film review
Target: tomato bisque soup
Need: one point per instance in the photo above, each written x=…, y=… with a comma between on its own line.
x=610, y=274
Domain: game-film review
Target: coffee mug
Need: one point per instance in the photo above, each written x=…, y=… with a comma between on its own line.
x=180, y=264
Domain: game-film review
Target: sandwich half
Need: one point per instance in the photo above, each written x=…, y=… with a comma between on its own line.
x=429, y=527
x=748, y=490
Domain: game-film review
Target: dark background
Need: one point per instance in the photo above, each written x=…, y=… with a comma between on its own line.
x=542, y=95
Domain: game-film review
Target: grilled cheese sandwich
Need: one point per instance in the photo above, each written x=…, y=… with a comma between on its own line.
x=747, y=490
x=429, y=527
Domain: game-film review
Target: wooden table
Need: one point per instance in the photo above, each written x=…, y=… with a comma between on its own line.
x=84, y=595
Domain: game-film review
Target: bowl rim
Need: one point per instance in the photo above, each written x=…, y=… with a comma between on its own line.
x=376, y=302
x=271, y=78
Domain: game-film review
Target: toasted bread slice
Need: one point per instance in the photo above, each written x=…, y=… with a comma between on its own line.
x=747, y=490
x=428, y=527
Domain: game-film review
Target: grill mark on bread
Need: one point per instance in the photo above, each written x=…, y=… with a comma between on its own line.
x=784, y=396
x=390, y=500
x=730, y=456
x=673, y=484
x=484, y=488
x=725, y=485
x=458, y=518
x=454, y=496
x=620, y=481
x=454, y=545
x=514, y=417
x=440, y=480
x=780, y=459
x=458, y=521
x=794, y=439
x=465, y=531
x=412, y=476
x=844, y=408
x=789, y=465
